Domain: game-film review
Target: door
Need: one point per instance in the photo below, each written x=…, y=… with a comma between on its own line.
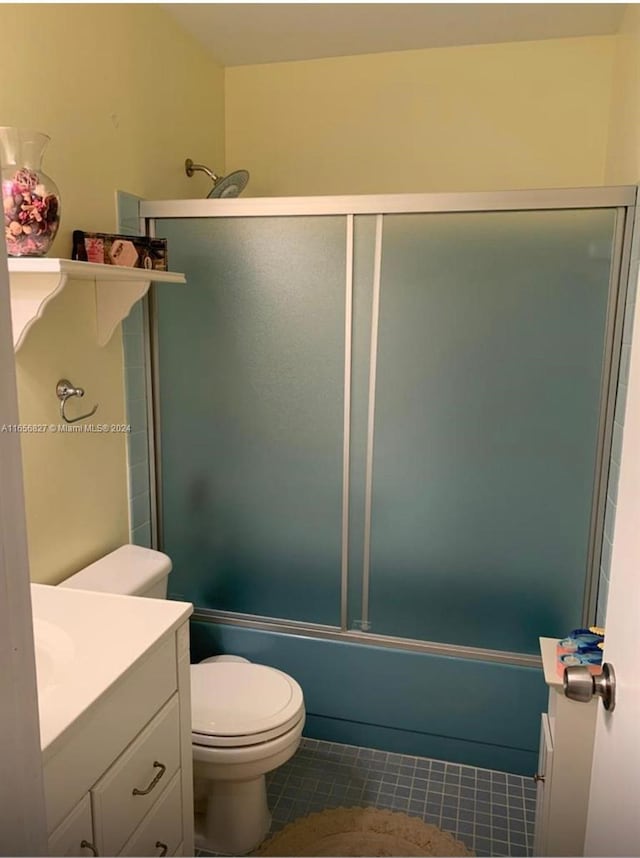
x=613, y=826
x=491, y=349
x=251, y=387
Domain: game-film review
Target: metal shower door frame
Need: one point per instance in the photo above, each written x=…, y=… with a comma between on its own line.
x=622, y=199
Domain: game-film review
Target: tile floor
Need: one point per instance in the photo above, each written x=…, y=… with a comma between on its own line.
x=491, y=812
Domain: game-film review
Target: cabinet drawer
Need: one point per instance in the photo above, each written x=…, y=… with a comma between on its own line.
x=160, y=833
x=123, y=796
x=73, y=831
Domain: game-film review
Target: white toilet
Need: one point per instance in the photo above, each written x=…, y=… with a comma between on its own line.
x=246, y=719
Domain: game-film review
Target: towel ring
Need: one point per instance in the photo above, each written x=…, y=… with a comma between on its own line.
x=64, y=391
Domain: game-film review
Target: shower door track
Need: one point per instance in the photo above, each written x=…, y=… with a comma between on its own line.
x=359, y=204
x=335, y=633
x=622, y=198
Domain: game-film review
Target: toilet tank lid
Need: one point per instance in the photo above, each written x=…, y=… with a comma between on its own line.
x=129, y=570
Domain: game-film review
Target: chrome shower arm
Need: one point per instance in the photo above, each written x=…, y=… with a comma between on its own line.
x=190, y=168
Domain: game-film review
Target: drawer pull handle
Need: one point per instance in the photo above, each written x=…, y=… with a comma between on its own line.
x=84, y=844
x=154, y=782
x=163, y=847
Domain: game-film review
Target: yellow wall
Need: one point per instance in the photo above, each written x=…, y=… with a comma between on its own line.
x=482, y=117
x=125, y=96
x=623, y=154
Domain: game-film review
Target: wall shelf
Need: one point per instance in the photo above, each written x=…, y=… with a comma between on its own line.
x=34, y=282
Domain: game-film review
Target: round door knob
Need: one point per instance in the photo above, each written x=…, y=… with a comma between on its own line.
x=578, y=684
x=581, y=685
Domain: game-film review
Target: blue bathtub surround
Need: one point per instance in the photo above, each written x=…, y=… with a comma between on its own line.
x=490, y=812
x=469, y=712
x=136, y=393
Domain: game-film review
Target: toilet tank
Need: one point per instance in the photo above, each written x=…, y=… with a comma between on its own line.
x=129, y=571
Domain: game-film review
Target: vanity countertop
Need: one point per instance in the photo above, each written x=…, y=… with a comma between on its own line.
x=85, y=642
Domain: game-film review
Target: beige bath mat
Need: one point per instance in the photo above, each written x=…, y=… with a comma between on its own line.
x=360, y=831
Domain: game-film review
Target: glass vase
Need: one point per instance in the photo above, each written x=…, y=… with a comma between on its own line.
x=30, y=199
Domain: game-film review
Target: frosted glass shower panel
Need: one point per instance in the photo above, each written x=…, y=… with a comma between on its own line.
x=251, y=358
x=490, y=355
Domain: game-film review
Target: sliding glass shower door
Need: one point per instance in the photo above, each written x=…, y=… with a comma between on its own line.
x=487, y=408
x=388, y=423
x=251, y=369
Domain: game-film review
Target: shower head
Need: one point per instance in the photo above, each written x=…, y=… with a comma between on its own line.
x=229, y=186
x=223, y=186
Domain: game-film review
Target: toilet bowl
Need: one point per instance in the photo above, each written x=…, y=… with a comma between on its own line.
x=246, y=720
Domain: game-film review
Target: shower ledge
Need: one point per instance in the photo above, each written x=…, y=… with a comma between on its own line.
x=34, y=282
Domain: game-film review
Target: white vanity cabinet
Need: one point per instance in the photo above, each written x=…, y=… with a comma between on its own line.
x=118, y=778
x=564, y=766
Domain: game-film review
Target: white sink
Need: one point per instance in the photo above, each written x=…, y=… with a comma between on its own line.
x=54, y=650
x=84, y=643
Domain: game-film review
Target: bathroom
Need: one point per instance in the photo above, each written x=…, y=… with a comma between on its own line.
x=520, y=109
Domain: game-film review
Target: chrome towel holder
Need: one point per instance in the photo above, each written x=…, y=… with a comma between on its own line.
x=64, y=391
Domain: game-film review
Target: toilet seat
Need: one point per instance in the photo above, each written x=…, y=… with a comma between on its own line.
x=237, y=705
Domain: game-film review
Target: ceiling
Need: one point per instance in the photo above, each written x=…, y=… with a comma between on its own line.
x=251, y=33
